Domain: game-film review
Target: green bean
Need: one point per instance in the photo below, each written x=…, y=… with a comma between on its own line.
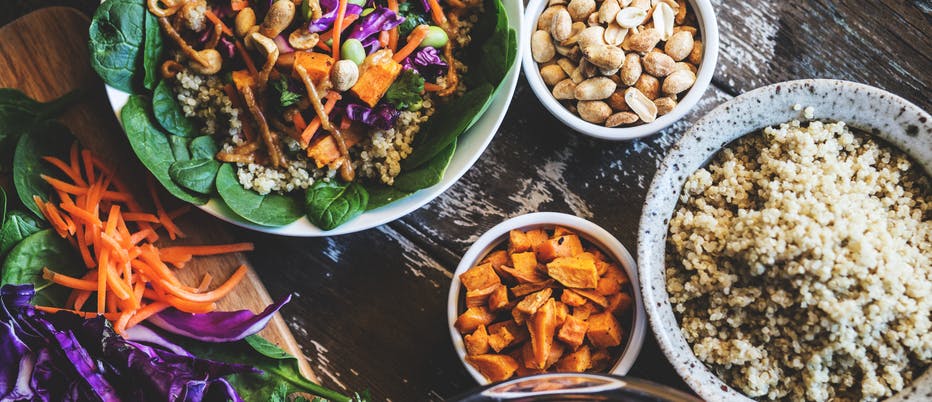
x=352, y=50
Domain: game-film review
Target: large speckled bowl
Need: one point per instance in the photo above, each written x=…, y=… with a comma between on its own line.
x=881, y=113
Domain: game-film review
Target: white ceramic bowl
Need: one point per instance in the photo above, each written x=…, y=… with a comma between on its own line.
x=708, y=29
x=470, y=146
x=587, y=230
x=873, y=110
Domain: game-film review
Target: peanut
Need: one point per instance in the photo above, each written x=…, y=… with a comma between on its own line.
x=630, y=17
x=564, y=90
x=608, y=11
x=641, y=105
x=679, y=46
x=593, y=111
x=561, y=26
x=580, y=9
x=542, y=47
x=664, y=105
x=605, y=56
x=658, y=64
x=567, y=65
x=682, y=65
x=680, y=12
x=614, y=34
x=245, y=19
x=679, y=81
x=597, y=88
x=695, y=55
x=663, y=20
x=649, y=86
x=645, y=40
x=620, y=118
x=546, y=17
x=617, y=101
x=552, y=74
x=344, y=75
x=589, y=37
x=631, y=69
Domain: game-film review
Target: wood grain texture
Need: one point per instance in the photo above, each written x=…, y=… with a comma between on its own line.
x=44, y=54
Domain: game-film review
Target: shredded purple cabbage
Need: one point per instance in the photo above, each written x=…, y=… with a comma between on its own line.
x=218, y=326
x=226, y=48
x=427, y=62
x=380, y=19
x=329, y=10
x=383, y=116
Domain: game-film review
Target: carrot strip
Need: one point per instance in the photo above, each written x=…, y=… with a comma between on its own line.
x=308, y=133
x=75, y=176
x=116, y=285
x=338, y=28
x=88, y=165
x=53, y=310
x=139, y=236
x=431, y=87
x=68, y=281
x=383, y=39
x=120, y=325
x=436, y=13
x=81, y=298
x=145, y=312
x=81, y=214
x=61, y=185
x=184, y=305
x=85, y=251
x=102, y=273
x=246, y=59
x=111, y=303
x=205, y=282
x=414, y=40
x=216, y=20
x=298, y=121
x=74, y=157
x=210, y=296
x=393, y=33
x=115, y=196
x=114, y=246
x=140, y=217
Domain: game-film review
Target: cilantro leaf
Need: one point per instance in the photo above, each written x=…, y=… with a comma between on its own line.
x=413, y=18
x=285, y=96
x=406, y=90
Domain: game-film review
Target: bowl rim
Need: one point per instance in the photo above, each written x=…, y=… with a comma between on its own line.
x=591, y=232
x=488, y=122
x=708, y=27
x=651, y=252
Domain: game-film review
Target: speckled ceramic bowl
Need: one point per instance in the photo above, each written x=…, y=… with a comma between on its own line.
x=881, y=113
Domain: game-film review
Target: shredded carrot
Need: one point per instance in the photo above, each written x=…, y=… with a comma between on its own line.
x=74, y=175
x=140, y=217
x=207, y=250
x=308, y=133
x=384, y=38
x=431, y=87
x=148, y=311
x=216, y=20
x=80, y=298
x=393, y=33
x=207, y=297
x=205, y=282
x=88, y=165
x=436, y=13
x=102, y=273
x=338, y=28
x=67, y=281
x=84, y=216
x=418, y=34
x=246, y=58
x=299, y=122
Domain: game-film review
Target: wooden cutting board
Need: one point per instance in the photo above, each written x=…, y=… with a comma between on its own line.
x=45, y=55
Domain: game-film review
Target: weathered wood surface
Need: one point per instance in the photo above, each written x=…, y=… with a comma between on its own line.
x=44, y=54
x=370, y=307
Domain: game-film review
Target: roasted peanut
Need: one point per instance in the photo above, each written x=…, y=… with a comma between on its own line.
x=552, y=74
x=658, y=64
x=680, y=12
x=561, y=27
x=566, y=64
x=695, y=55
x=682, y=65
x=664, y=105
x=663, y=20
x=617, y=101
x=590, y=37
x=580, y=9
x=280, y=15
x=593, y=111
x=679, y=81
x=679, y=46
x=640, y=104
x=621, y=118
x=608, y=10
x=546, y=17
x=631, y=69
x=597, y=88
x=344, y=75
x=630, y=17
x=542, y=46
x=564, y=90
x=605, y=56
x=245, y=19
x=649, y=86
x=644, y=41
x=614, y=34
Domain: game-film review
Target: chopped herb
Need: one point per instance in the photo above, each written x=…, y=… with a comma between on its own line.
x=285, y=96
x=406, y=90
x=414, y=16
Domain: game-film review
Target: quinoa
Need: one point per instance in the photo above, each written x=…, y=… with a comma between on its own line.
x=381, y=155
x=203, y=98
x=798, y=265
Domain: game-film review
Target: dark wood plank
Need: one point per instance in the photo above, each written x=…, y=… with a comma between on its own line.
x=880, y=43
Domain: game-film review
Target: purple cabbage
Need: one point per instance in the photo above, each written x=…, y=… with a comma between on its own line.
x=218, y=326
x=226, y=47
x=383, y=116
x=329, y=10
x=380, y=19
x=371, y=44
x=427, y=62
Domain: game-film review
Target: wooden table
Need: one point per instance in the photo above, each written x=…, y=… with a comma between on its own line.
x=370, y=307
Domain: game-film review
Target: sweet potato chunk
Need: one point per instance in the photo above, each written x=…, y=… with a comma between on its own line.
x=562, y=231
x=535, y=237
x=325, y=151
x=528, y=288
x=563, y=246
x=593, y=296
x=494, y=367
x=376, y=74
x=479, y=277
x=607, y=286
x=498, y=299
x=556, y=352
x=616, y=274
x=501, y=338
x=472, y=318
x=518, y=242
x=477, y=343
x=533, y=302
x=583, y=312
x=497, y=258
x=600, y=360
x=604, y=330
x=574, y=272
x=519, y=332
x=478, y=297
x=542, y=325
x=525, y=276
x=575, y=362
x=573, y=331
x=619, y=303
x=572, y=298
x=526, y=261
x=562, y=311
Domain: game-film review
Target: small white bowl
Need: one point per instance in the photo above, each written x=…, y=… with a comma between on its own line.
x=873, y=110
x=708, y=30
x=588, y=231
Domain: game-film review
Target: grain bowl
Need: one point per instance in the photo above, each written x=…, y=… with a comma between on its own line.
x=811, y=327
x=609, y=312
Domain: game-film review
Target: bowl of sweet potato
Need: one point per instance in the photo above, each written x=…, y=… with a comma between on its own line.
x=546, y=292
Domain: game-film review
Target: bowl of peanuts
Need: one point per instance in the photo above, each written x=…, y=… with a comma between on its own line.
x=546, y=292
x=619, y=69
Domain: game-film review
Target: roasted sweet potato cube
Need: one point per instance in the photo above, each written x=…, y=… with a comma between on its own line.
x=479, y=277
x=556, y=352
x=497, y=258
x=317, y=65
x=524, y=371
x=616, y=273
x=518, y=242
x=584, y=311
x=472, y=318
x=477, y=343
x=494, y=367
x=571, y=298
x=607, y=286
x=575, y=362
x=593, y=296
x=479, y=297
x=573, y=331
x=527, y=356
x=574, y=272
x=376, y=75
x=526, y=261
x=542, y=325
x=562, y=311
x=562, y=231
x=599, y=360
x=619, y=303
x=532, y=302
x=528, y=288
x=563, y=246
x=518, y=331
x=501, y=338
x=498, y=299
x=519, y=316
x=604, y=330
x=525, y=276
x=535, y=237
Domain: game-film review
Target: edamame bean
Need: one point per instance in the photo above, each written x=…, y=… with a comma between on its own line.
x=352, y=50
x=361, y=3
x=436, y=38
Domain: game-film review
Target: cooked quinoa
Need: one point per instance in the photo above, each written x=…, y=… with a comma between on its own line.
x=799, y=265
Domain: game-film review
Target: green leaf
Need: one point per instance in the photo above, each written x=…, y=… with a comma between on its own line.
x=152, y=146
x=203, y=147
x=381, y=195
x=196, y=174
x=266, y=210
x=427, y=175
x=152, y=52
x=17, y=226
x=285, y=96
x=413, y=18
x=449, y=121
x=494, y=61
x=406, y=90
x=2, y=206
x=47, y=139
x=42, y=249
x=168, y=112
x=331, y=204
x=117, y=34
x=18, y=114
x=179, y=147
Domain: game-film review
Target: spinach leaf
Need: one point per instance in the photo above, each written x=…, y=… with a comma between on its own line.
x=196, y=174
x=168, y=112
x=17, y=226
x=2, y=206
x=450, y=120
x=179, y=147
x=406, y=90
x=203, y=147
x=117, y=34
x=152, y=146
x=429, y=174
x=152, y=52
x=46, y=139
x=381, y=195
x=42, y=249
x=18, y=114
x=494, y=62
x=266, y=210
x=331, y=204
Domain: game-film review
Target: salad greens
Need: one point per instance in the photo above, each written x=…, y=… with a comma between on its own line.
x=330, y=204
x=406, y=90
x=168, y=112
x=48, y=138
x=17, y=226
x=152, y=52
x=429, y=174
x=18, y=114
x=267, y=210
x=43, y=249
x=117, y=37
x=446, y=125
x=285, y=96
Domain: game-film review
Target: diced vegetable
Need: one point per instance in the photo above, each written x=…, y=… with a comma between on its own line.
x=436, y=38
x=376, y=75
x=352, y=50
x=576, y=362
x=473, y=318
x=604, y=330
x=479, y=277
x=559, y=246
x=494, y=367
x=534, y=301
x=498, y=299
x=574, y=272
x=477, y=343
x=573, y=331
x=542, y=325
x=318, y=65
x=518, y=242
